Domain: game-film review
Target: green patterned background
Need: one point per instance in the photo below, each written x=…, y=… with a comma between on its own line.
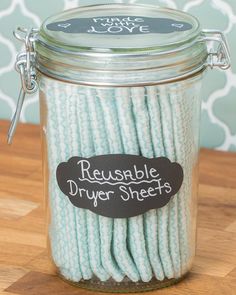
x=218, y=125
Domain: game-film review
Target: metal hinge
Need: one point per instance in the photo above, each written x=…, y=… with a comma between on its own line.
x=25, y=66
x=219, y=55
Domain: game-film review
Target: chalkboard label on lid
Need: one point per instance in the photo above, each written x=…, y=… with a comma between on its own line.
x=119, y=186
x=119, y=25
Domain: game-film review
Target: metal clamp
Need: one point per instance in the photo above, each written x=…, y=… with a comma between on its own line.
x=219, y=55
x=25, y=66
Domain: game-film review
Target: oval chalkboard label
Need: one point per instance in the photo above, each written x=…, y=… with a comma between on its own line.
x=119, y=186
x=119, y=25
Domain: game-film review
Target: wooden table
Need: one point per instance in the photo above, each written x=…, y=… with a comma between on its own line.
x=24, y=266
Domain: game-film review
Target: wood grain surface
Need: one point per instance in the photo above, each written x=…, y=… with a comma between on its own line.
x=24, y=266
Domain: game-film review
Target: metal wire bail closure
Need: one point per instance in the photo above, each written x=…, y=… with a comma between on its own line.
x=25, y=66
x=219, y=55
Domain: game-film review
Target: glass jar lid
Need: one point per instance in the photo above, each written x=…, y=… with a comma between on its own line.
x=119, y=28
x=85, y=45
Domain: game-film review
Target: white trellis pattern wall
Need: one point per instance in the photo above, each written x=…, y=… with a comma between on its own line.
x=218, y=124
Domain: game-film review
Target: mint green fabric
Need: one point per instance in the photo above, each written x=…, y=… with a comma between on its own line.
x=218, y=126
x=148, y=121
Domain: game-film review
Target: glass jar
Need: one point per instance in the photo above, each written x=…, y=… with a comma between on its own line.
x=120, y=97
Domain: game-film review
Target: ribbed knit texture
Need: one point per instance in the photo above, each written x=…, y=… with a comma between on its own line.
x=151, y=121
